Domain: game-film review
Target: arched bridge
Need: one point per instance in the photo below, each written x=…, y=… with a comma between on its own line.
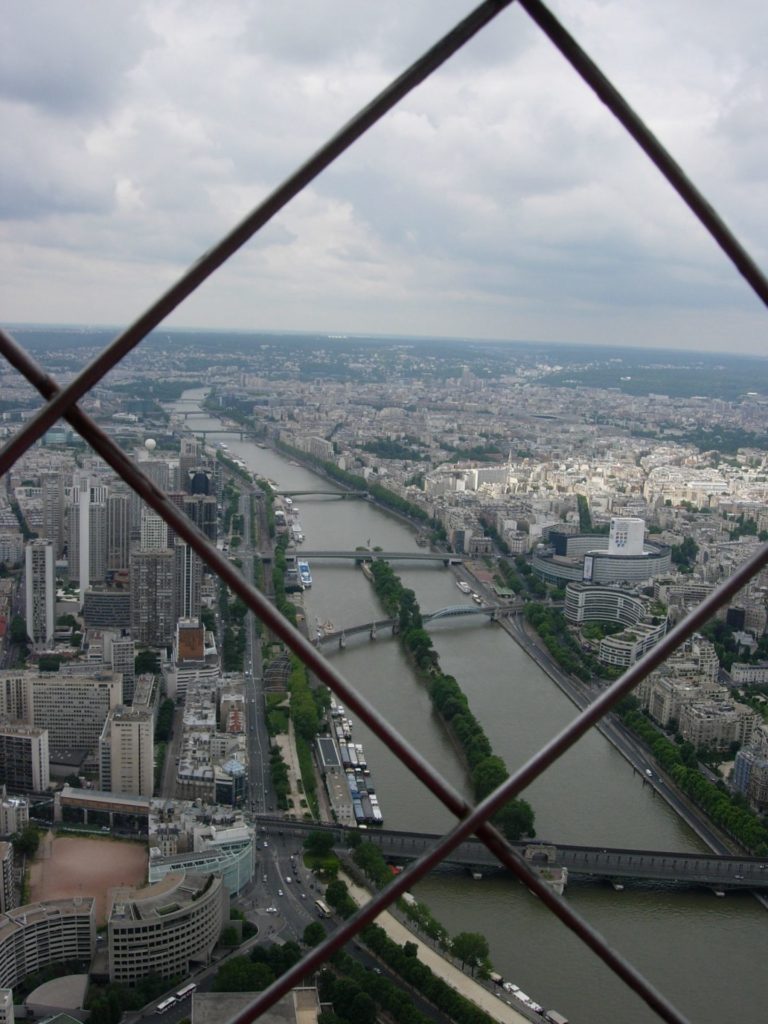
x=492, y=611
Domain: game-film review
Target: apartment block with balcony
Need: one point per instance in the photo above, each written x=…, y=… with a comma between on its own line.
x=39, y=934
x=168, y=928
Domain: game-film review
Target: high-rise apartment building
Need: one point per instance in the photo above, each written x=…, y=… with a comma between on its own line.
x=54, y=511
x=24, y=758
x=153, y=598
x=7, y=888
x=188, y=568
x=71, y=704
x=126, y=752
x=118, y=530
x=154, y=531
x=189, y=458
x=87, y=546
x=40, y=583
x=202, y=509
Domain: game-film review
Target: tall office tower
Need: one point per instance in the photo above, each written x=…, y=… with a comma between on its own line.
x=154, y=531
x=24, y=757
x=176, y=498
x=41, y=592
x=202, y=510
x=71, y=704
x=126, y=752
x=626, y=536
x=153, y=598
x=158, y=471
x=118, y=530
x=53, y=511
x=87, y=548
x=7, y=888
x=189, y=575
x=189, y=459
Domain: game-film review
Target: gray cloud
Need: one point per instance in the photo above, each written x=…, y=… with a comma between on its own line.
x=500, y=198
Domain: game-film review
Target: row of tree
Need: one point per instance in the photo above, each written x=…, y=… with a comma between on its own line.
x=488, y=771
x=727, y=811
x=552, y=627
x=380, y=493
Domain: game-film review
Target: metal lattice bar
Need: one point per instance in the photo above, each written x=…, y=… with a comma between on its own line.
x=62, y=402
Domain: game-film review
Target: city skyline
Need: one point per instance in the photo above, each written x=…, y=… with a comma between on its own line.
x=498, y=201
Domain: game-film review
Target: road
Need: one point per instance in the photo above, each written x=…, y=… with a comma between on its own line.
x=261, y=797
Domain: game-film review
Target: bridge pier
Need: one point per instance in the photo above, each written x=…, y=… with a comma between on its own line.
x=373, y=631
x=342, y=642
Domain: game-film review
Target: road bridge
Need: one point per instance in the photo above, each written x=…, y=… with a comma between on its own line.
x=332, y=494
x=447, y=558
x=491, y=611
x=587, y=863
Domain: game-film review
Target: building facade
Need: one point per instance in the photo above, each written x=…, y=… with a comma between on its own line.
x=24, y=758
x=126, y=752
x=38, y=934
x=167, y=928
x=40, y=582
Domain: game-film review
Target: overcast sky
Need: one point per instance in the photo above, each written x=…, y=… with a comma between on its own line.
x=499, y=200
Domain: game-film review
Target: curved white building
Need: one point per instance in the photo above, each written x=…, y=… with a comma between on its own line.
x=165, y=928
x=38, y=934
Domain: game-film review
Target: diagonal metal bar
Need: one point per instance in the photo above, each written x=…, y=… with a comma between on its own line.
x=644, y=137
x=474, y=818
x=241, y=233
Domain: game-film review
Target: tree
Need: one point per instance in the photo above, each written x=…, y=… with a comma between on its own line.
x=146, y=661
x=471, y=948
x=18, y=631
x=27, y=841
x=314, y=934
x=319, y=844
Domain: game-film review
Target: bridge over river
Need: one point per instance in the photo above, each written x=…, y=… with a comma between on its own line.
x=364, y=555
x=492, y=611
x=594, y=863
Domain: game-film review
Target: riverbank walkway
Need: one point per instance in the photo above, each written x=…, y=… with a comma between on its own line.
x=496, y=1007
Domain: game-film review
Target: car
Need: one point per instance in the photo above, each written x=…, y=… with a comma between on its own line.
x=266, y=844
x=263, y=878
x=288, y=879
x=280, y=892
x=271, y=910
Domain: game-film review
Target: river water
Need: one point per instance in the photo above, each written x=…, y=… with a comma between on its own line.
x=706, y=954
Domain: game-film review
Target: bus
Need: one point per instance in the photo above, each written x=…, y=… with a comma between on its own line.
x=166, y=1004
x=186, y=991
x=322, y=908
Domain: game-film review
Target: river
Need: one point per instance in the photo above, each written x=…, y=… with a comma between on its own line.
x=707, y=954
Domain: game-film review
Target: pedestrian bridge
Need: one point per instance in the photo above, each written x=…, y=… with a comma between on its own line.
x=584, y=863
